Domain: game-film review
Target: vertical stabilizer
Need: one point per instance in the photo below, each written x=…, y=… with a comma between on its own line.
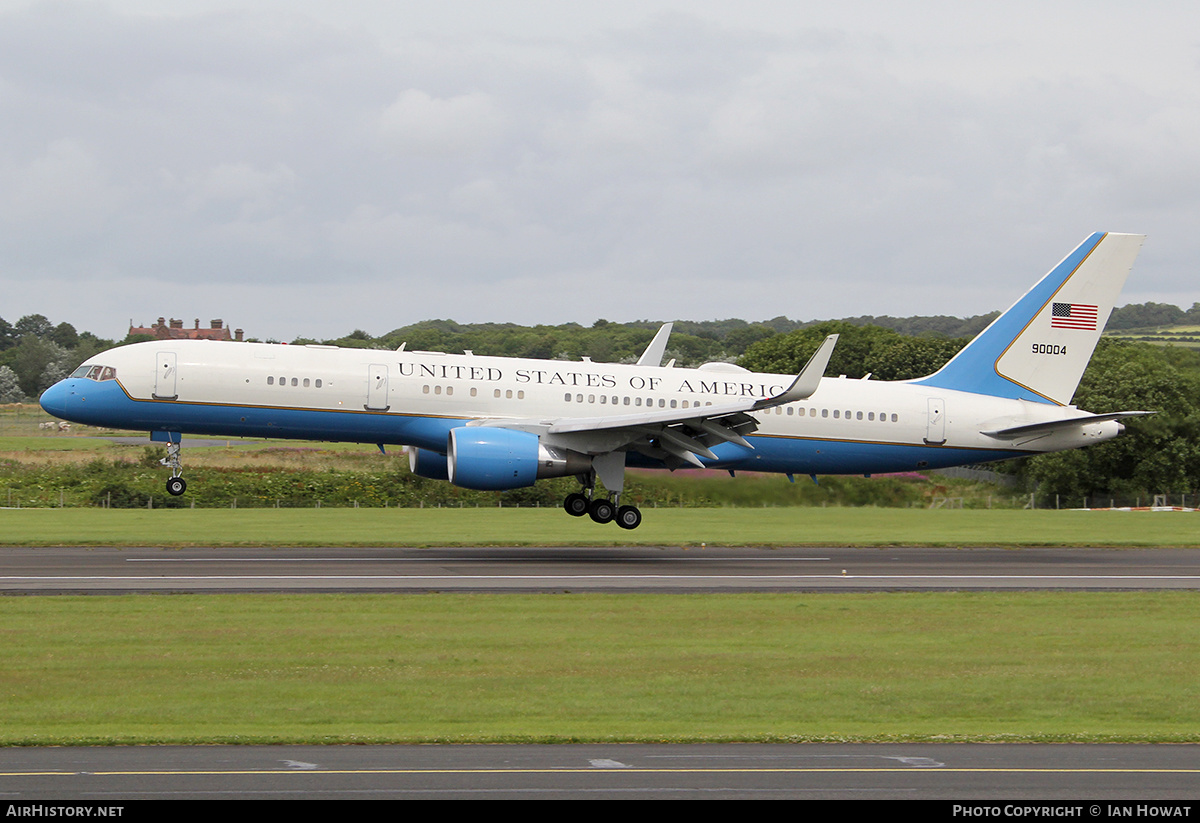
x=1038, y=349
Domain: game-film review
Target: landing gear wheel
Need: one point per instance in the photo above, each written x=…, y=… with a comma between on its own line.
x=602, y=511
x=176, y=486
x=629, y=517
x=576, y=504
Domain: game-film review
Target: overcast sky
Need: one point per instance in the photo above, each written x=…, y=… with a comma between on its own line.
x=307, y=168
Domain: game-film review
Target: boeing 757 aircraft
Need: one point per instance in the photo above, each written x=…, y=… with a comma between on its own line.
x=502, y=423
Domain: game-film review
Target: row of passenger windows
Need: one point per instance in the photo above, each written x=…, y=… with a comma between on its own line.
x=663, y=403
x=635, y=401
x=296, y=381
x=617, y=400
x=449, y=390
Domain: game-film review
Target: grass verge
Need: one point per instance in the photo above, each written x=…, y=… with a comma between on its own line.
x=600, y=667
x=539, y=527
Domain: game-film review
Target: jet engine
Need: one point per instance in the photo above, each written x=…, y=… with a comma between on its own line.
x=487, y=458
x=426, y=463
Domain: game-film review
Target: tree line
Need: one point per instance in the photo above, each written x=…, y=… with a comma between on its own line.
x=1158, y=454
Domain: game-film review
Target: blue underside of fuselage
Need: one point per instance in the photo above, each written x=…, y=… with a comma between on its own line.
x=106, y=404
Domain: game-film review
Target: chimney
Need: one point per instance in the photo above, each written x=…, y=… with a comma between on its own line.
x=237, y=335
x=216, y=324
x=176, y=324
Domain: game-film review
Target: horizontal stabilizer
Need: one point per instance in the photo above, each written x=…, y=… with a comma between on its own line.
x=1051, y=426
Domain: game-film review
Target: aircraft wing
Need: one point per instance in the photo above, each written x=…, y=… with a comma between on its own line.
x=676, y=436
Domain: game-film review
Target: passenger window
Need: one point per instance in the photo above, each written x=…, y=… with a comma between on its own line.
x=318, y=382
x=270, y=380
x=306, y=382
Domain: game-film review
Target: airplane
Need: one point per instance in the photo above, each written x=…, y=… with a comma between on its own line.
x=499, y=423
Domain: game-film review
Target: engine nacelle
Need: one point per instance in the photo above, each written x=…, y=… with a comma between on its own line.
x=492, y=459
x=426, y=463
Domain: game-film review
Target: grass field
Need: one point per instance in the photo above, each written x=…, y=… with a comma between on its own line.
x=534, y=527
x=595, y=667
x=320, y=668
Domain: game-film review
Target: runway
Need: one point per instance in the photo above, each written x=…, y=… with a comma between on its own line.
x=667, y=569
x=970, y=773
x=1079, y=774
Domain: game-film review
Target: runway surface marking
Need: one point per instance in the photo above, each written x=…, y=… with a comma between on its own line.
x=604, y=769
x=1176, y=577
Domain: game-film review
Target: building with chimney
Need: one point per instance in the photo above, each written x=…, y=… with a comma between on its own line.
x=174, y=330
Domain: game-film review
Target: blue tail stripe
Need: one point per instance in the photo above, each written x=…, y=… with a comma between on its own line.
x=974, y=368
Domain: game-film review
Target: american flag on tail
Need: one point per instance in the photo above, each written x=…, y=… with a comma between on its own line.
x=1074, y=316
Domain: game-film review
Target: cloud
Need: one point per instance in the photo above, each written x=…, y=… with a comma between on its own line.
x=373, y=165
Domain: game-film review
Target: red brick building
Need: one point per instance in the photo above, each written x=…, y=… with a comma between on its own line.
x=174, y=330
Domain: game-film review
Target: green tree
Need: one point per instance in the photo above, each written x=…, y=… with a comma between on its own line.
x=10, y=387
x=1160, y=454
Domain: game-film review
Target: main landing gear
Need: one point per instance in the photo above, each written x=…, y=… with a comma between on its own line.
x=176, y=485
x=611, y=468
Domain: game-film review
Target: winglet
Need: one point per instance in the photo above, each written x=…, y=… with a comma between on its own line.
x=807, y=381
x=653, y=354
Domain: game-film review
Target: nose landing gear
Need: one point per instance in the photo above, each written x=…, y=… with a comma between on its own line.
x=176, y=485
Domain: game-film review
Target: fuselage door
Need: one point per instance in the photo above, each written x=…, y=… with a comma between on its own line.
x=377, y=388
x=165, y=377
x=935, y=427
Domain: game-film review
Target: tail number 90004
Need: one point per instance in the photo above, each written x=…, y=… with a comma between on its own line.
x=1048, y=348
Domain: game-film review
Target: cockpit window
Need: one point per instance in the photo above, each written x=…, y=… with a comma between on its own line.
x=95, y=372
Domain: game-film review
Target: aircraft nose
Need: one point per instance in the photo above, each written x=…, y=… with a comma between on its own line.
x=54, y=399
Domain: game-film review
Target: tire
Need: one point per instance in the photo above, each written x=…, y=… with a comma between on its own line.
x=576, y=504
x=176, y=486
x=629, y=517
x=602, y=511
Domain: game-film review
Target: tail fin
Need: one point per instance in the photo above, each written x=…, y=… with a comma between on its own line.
x=1038, y=349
